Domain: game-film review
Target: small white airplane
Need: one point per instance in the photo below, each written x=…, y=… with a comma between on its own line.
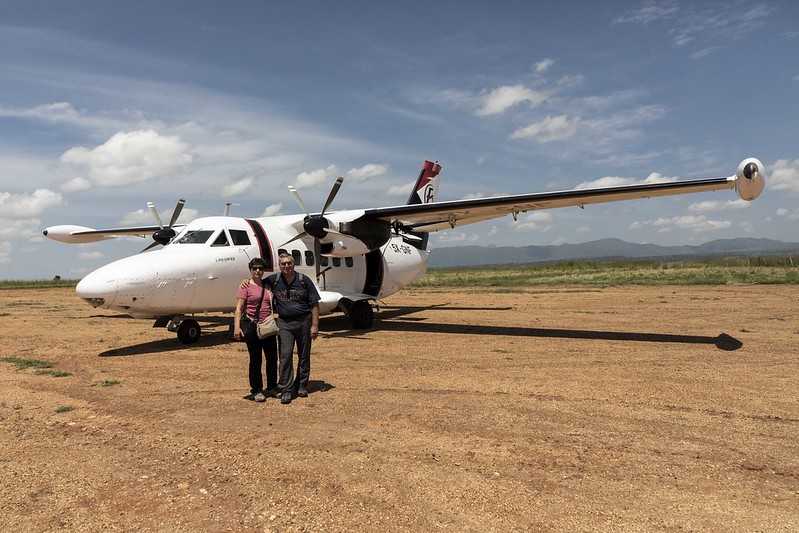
x=355, y=256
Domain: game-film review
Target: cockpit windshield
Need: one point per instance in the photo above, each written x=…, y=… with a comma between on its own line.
x=198, y=236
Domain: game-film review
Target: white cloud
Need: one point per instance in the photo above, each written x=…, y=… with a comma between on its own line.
x=15, y=206
x=401, y=190
x=702, y=25
x=143, y=217
x=544, y=65
x=715, y=205
x=784, y=176
x=695, y=223
x=76, y=184
x=273, y=210
x=315, y=177
x=472, y=196
x=90, y=255
x=456, y=236
x=534, y=222
x=23, y=228
x=131, y=157
x=56, y=112
x=366, y=172
x=548, y=130
x=503, y=98
x=649, y=12
x=792, y=214
x=237, y=187
x=616, y=181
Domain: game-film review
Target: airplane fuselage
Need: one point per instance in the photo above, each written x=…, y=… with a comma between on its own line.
x=200, y=271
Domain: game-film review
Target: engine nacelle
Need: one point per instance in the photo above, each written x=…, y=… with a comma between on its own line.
x=341, y=245
x=750, y=179
x=372, y=233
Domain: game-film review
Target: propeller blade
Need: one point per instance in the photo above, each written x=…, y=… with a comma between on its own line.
x=317, y=252
x=176, y=212
x=295, y=238
x=151, y=245
x=297, y=199
x=154, y=211
x=333, y=193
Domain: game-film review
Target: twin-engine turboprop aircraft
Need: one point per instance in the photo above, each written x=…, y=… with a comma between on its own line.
x=354, y=256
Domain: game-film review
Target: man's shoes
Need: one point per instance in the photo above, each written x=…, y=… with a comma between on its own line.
x=302, y=393
x=286, y=398
x=273, y=392
x=259, y=397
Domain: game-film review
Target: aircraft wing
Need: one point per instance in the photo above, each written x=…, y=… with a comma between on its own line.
x=81, y=234
x=437, y=216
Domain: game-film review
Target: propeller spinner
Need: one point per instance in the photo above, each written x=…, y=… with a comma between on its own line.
x=165, y=234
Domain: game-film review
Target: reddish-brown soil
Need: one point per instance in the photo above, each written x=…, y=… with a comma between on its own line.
x=577, y=409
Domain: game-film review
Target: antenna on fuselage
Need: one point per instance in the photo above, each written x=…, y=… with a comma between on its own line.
x=227, y=208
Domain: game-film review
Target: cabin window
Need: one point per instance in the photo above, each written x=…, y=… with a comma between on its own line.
x=297, y=257
x=348, y=261
x=309, y=258
x=336, y=261
x=199, y=236
x=324, y=261
x=221, y=240
x=239, y=237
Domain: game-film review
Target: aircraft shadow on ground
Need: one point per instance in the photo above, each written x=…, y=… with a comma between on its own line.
x=396, y=319
x=172, y=344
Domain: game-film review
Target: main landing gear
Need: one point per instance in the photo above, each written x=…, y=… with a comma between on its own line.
x=188, y=329
x=361, y=314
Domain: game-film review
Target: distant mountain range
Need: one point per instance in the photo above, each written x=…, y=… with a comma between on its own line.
x=607, y=249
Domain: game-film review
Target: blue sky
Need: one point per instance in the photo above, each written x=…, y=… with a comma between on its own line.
x=105, y=105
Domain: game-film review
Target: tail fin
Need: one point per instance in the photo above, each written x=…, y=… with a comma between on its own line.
x=424, y=192
x=426, y=188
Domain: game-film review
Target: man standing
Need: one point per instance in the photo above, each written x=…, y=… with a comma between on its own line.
x=297, y=307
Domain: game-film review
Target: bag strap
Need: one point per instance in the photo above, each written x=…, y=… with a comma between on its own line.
x=261, y=302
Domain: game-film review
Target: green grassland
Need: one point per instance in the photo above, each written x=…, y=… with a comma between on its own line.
x=750, y=271
x=38, y=284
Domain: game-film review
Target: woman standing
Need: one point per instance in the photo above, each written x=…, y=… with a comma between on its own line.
x=254, y=303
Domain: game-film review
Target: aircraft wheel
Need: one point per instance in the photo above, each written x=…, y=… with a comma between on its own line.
x=361, y=315
x=189, y=331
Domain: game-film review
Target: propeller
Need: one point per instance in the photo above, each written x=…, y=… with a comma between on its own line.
x=165, y=234
x=227, y=208
x=316, y=226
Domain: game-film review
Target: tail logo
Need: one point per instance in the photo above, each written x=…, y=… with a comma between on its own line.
x=429, y=193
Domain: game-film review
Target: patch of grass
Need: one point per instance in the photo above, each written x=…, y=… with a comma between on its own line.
x=64, y=409
x=109, y=382
x=22, y=364
x=38, y=284
x=54, y=373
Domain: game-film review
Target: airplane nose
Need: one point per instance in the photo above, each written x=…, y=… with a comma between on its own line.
x=96, y=289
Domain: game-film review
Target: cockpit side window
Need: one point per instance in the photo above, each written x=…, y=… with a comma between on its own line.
x=199, y=236
x=239, y=237
x=221, y=240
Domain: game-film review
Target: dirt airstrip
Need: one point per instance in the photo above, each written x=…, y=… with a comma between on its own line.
x=569, y=408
